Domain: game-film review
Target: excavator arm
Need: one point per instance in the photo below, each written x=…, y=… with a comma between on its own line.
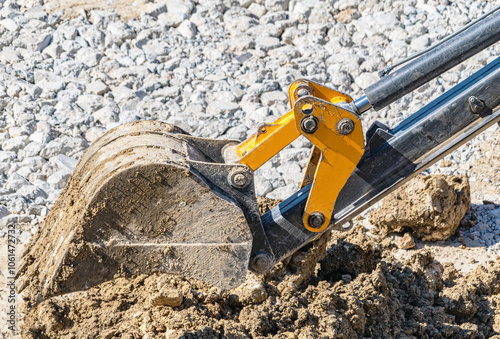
x=147, y=197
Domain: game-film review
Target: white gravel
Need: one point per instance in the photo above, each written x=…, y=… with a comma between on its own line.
x=216, y=69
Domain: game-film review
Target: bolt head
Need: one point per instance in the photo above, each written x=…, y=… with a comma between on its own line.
x=316, y=219
x=309, y=124
x=476, y=105
x=238, y=179
x=345, y=126
x=262, y=262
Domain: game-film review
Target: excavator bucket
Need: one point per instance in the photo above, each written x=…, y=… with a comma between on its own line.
x=133, y=205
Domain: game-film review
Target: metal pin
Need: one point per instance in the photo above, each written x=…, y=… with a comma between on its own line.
x=345, y=126
x=476, y=105
x=309, y=124
x=316, y=219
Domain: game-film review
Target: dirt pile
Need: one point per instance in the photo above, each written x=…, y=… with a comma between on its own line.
x=432, y=206
x=357, y=290
x=74, y=8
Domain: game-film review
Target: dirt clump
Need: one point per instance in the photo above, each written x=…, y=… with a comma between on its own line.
x=405, y=242
x=167, y=297
x=432, y=206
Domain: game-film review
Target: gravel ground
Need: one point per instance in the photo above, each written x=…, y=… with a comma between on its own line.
x=216, y=69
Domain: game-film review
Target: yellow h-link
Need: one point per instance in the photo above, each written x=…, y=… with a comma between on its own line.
x=336, y=133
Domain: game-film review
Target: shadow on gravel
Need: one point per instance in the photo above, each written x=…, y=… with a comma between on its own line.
x=480, y=227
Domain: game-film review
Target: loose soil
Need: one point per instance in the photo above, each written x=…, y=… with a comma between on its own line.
x=357, y=290
x=75, y=8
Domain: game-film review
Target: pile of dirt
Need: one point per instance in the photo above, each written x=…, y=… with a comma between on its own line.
x=357, y=290
x=432, y=206
x=74, y=8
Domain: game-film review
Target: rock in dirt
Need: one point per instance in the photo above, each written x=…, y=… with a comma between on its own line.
x=432, y=206
x=405, y=242
x=167, y=297
x=252, y=291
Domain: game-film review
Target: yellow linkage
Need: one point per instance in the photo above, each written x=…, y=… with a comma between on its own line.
x=338, y=145
x=269, y=140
